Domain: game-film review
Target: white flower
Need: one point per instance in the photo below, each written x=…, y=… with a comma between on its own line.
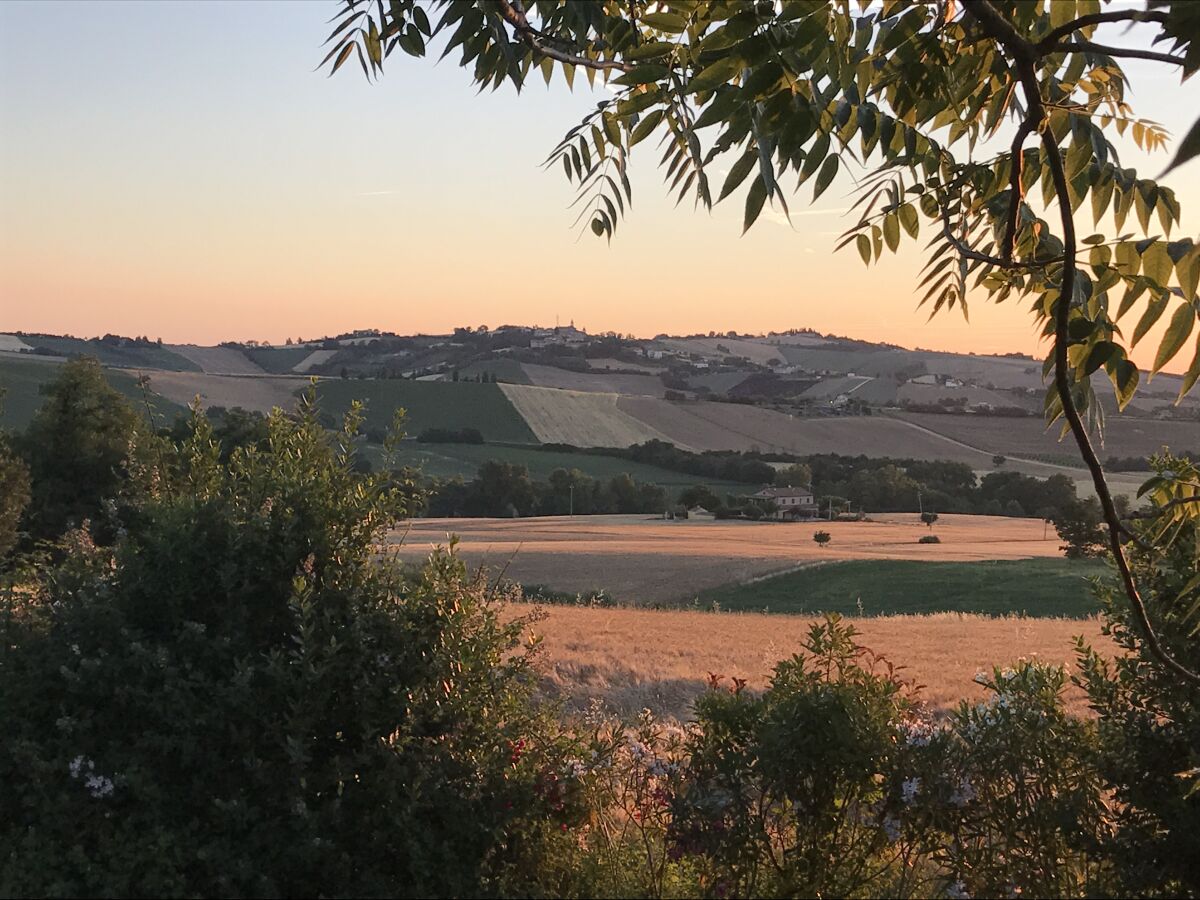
x=891, y=827
x=958, y=891
x=99, y=785
x=910, y=789
x=77, y=765
x=917, y=733
x=964, y=793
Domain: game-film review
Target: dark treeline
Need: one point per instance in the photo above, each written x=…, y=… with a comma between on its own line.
x=873, y=484
x=505, y=489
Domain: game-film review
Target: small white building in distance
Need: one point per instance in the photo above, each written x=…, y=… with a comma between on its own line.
x=792, y=502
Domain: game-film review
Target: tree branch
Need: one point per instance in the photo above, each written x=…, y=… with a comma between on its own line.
x=514, y=14
x=1130, y=15
x=1016, y=193
x=1026, y=56
x=1115, y=52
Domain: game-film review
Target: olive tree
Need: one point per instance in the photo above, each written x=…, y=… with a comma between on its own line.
x=986, y=124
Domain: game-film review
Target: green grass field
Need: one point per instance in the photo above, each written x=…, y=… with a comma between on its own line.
x=449, y=460
x=429, y=404
x=151, y=357
x=1033, y=587
x=21, y=379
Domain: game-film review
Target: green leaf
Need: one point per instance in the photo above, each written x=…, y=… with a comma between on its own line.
x=1125, y=378
x=1178, y=331
x=891, y=231
x=828, y=171
x=1154, y=310
x=1189, y=148
x=908, y=218
x=642, y=75
x=665, y=21
x=1156, y=263
x=738, y=172
x=864, y=248
x=755, y=198
x=652, y=50
x=715, y=75
x=1192, y=374
x=648, y=124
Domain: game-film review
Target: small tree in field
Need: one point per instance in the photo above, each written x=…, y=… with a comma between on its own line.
x=929, y=518
x=998, y=460
x=822, y=538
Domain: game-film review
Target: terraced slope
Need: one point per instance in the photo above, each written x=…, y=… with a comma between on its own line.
x=585, y=419
x=218, y=360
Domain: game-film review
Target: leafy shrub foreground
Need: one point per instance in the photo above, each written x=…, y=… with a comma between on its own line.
x=241, y=697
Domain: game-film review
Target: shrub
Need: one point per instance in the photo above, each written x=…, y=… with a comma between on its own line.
x=822, y=537
x=929, y=539
x=14, y=497
x=239, y=698
x=76, y=447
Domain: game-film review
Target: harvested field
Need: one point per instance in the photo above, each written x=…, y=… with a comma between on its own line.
x=932, y=393
x=1123, y=436
x=12, y=344
x=257, y=393
x=636, y=559
x=598, y=382
x=316, y=358
x=217, y=360
x=660, y=659
x=579, y=417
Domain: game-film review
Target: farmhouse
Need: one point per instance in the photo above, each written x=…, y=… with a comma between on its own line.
x=791, y=502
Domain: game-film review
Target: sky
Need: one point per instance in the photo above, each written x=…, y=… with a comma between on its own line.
x=181, y=170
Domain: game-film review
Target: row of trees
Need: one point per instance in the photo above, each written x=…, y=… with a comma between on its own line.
x=505, y=489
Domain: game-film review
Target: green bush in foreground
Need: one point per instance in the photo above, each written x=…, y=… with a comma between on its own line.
x=240, y=697
x=237, y=698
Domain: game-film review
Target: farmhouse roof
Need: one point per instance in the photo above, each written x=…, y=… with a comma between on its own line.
x=774, y=493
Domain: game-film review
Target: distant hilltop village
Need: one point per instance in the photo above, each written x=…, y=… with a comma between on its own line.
x=796, y=372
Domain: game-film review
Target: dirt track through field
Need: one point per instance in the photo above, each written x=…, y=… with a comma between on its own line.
x=638, y=559
x=660, y=659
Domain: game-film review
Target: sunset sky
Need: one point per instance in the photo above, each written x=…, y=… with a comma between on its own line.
x=180, y=170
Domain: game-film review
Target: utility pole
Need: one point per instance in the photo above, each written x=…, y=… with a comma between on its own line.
x=572, y=499
x=920, y=505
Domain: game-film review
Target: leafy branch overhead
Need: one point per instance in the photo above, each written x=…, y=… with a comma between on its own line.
x=984, y=128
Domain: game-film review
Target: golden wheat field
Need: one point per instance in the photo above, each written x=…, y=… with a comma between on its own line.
x=638, y=559
x=661, y=659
